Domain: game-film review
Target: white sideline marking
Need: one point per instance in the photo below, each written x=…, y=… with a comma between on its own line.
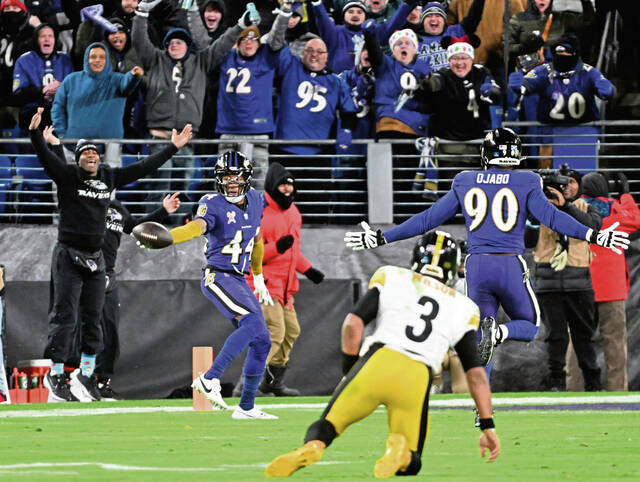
x=455, y=403
x=134, y=468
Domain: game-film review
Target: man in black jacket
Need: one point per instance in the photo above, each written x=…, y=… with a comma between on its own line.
x=119, y=221
x=78, y=265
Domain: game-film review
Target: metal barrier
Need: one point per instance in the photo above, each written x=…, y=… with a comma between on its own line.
x=386, y=182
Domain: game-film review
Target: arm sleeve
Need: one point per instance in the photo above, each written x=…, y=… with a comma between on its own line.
x=326, y=28
x=603, y=87
x=185, y=233
x=542, y=209
x=467, y=350
x=630, y=220
x=277, y=33
x=159, y=216
x=472, y=19
x=23, y=90
x=591, y=218
x=445, y=208
x=59, y=110
x=54, y=166
x=302, y=263
x=257, y=255
x=198, y=30
x=376, y=56
x=141, y=43
x=219, y=49
x=384, y=31
x=84, y=37
x=133, y=172
x=367, y=306
x=128, y=84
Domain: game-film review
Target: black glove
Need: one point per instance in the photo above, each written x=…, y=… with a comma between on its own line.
x=622, y=184
x=284, y=243
x=314, y=275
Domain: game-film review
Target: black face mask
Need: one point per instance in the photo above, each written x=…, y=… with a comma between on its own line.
x=283, y=201
x=12, y=21
x=565, y=63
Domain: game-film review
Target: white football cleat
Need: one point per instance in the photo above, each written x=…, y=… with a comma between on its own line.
x=211, y=390
x=255, y=412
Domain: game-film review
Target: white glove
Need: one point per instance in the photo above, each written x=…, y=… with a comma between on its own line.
x=559, y=259
x=145, y=7
x=261, y=290
x=609, y=238
x=366, y=239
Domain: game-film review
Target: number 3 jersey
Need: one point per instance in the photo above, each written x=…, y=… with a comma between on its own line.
x=230, y=230
x=419, y=316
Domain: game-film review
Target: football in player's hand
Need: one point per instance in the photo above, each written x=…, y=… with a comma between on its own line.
x=152, y=235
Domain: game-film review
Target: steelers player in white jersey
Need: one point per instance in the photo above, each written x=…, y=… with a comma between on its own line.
x=418, y=318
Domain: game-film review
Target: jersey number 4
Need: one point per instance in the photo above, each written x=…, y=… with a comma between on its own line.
x=504, y=208
x=234, y=247
x=421, y=336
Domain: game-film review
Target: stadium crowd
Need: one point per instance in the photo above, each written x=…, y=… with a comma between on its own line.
x=323, y=69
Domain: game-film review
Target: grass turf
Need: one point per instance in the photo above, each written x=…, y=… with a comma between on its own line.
x=542, y=444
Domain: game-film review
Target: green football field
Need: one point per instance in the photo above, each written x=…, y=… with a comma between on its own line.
x=544, y=437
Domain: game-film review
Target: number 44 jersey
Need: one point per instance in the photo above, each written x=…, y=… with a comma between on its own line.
x=230, y=230
x=419, y=316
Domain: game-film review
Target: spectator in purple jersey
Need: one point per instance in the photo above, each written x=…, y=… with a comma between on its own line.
x=245, y=103
x=37, y=76
x=344, y=41
x=397, y=113
x=495, y=203
x=311, y=100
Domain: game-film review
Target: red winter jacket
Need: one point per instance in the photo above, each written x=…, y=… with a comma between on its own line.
x=609, y=271
x=280, y=269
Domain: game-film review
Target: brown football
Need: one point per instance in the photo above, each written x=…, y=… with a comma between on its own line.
x=152, y=235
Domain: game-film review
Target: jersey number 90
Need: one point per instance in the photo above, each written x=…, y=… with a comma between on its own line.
x=504, y=208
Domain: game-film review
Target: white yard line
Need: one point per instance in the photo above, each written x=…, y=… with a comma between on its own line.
x=131, y=468
x=6, y=412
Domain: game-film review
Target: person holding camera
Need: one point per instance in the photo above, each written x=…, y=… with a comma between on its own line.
x=563, y=284
x=611, y=280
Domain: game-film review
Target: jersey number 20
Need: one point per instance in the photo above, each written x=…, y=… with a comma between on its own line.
x=504, y=208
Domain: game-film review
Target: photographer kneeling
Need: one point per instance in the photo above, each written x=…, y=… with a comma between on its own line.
x=563, y=283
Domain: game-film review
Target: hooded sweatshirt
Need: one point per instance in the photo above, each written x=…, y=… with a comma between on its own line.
x=280, y=269
x=87, y=104
x=172, y=104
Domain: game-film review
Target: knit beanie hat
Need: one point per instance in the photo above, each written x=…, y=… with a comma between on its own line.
x=84, y=145
x=433, y=8
x=406, y=33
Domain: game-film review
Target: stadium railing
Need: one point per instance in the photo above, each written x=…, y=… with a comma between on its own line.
x=371, y=182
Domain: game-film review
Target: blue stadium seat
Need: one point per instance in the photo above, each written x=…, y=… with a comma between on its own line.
x=35, y=182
